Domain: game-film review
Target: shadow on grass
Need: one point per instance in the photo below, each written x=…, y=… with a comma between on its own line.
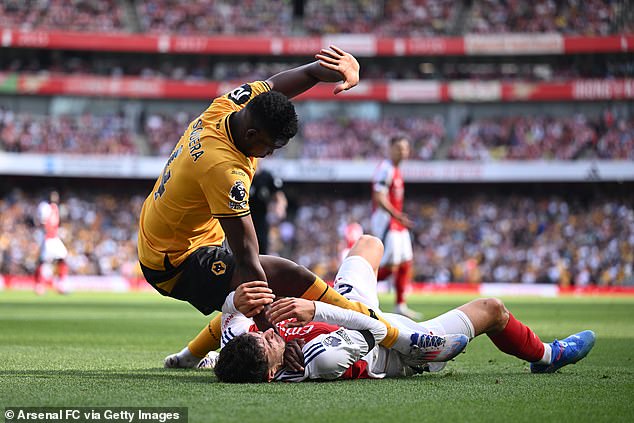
x=154, y=375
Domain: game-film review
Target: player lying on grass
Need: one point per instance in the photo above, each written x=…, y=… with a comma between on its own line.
x=249, y=355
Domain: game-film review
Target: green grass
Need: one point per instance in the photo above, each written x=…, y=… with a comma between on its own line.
x=107, y=349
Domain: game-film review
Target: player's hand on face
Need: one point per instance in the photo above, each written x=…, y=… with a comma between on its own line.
x=294, y=356
x=251, y=297
x=288, y=308
x=334, y=58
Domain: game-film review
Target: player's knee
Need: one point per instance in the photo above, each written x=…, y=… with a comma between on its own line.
x=370, y=248
x=497, y=312
x=370, y=242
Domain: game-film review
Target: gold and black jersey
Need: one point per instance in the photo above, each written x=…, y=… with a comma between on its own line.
x=205, y=178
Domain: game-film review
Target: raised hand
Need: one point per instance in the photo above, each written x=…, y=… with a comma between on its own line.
x=338, y=60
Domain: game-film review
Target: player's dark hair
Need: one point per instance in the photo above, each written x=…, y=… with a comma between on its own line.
x=242, y=360
x=397, y=138
x=273, y=112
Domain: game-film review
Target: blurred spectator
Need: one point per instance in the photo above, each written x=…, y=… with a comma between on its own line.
x=392, y=18
x=84, y=134
x=389, y=18
x=589, y=17
x=215, y=68
x=565, y=239
x=352, y=138
x=67, y=15
x=521, y=239
x=524, y=138
x=213, y=17
x=99, y=231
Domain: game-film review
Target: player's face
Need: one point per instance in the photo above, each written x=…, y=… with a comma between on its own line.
x=273, y=345
x=400, y=150
x=260, y=144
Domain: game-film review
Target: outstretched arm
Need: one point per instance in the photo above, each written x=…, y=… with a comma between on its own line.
x=332, y=65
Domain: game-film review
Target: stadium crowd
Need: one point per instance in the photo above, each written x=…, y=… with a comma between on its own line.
x=80, y=15
x=214, y=68
x=589, y=17
x=99, y=231
x=477, y=238
x=357, y=139
x=516, y=137
x=545, y=137
x=83, y=134
x=393, y=18
x=457, y=238
x=524, y=137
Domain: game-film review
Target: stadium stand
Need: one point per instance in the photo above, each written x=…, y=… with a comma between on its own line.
x=554, y=238
x=487, y=237
x=516, y=137
x=85, y=134
x=99, y=231
x=395, y=18
x=593, y=17
x=82, y=15
x=121, y=79
x=200, y=68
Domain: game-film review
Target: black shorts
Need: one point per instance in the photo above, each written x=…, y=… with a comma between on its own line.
x=203, y=279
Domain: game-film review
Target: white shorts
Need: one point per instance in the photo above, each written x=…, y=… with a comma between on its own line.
x=53, y=249
x=398, y=248
x=357, y=282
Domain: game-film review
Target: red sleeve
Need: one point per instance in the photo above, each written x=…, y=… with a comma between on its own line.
x=359, y=370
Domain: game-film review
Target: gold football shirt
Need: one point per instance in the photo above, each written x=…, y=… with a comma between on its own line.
x=205, y=177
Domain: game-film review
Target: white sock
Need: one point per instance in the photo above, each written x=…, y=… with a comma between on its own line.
x=186, y=356
x=547, y=357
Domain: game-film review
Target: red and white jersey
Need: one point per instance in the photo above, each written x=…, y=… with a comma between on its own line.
x=387, y=179
x=330, y=351
x=49, y=218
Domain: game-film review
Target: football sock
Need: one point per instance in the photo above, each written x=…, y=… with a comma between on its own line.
x=208, y=339
x=62, y=269
x=383, y=273
x=62, y=273
x=320, y=291
x=182, y=359
x=519, y=340
x=547, y=357
x=401, y=280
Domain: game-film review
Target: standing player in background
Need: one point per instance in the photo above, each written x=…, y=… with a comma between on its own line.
x=52, y=268
x=391, y=225
x=266, y=192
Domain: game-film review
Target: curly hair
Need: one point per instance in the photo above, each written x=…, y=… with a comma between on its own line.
x=242, y=360
x=273, y=112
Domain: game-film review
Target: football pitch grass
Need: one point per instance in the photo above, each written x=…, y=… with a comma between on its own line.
x=107, y=350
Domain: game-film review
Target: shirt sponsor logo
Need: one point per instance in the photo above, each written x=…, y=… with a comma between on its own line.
x=342, y=333
x=331, y=341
